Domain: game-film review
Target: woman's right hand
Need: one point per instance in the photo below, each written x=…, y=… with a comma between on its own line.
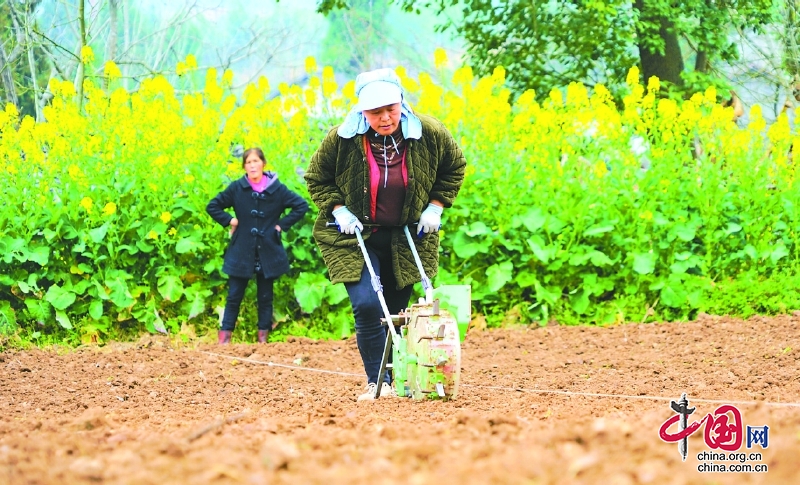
x=233, y=225
x=347, y=222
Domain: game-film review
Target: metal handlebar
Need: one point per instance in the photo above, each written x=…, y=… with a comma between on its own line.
x=333, y=224
x=426, y=282
x=376, y=286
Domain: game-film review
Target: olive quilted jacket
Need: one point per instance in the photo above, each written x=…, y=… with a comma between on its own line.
x=339, y=174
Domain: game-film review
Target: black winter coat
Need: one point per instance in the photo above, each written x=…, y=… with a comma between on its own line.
x=256, y=236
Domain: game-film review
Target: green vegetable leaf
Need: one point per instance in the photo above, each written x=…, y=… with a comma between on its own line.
x=534, y=219
x=170, y=287
x=99, y=233
x=598, y=229
x=644, y=263
x=499, y=274
x=63, y=320
x=309, y=289
x=96, y=309
x=60, y=298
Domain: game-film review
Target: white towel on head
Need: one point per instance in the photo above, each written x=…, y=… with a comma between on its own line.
x=356, y=124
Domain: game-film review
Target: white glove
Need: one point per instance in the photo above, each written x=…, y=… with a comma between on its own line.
x=347, y=222
x=430, y=220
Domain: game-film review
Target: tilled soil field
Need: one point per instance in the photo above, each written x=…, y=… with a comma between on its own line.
x=537, y=405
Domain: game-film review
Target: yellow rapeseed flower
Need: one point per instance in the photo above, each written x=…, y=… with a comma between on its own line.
x=166, y=217
x=780, y=131
x=87, y=54
x=311, y=65
x=349, y=90
x=310, y=97
x=667, y=109
x=601, y=95
x=263, y=84
x=191, y=62
x=110, y=209
x=111, y=70
x=227, y=77
x=228, y=105
x=152, y=234
x=632, y=78
x=329, y=88
x=527, y=99
x=86, y=203
x=172, y=231
x=11, y=111
x=599, y=169
x=577, y=95
x=68, y=89
x=439, y=58
x=653, y=84
x=556, y=97
x=757, y=121
x=499, y=75
x=710, y=95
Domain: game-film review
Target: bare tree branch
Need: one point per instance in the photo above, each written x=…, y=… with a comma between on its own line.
x=143, y=45
x=22, y=28
x=7, y=79
x=56, y=45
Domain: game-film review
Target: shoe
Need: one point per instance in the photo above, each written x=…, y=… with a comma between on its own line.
x=386, y=391
x=224, y=337
x=262, y=336
x=370, y=394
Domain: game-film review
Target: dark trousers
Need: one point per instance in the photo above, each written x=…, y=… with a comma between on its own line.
x=370, y=334
x=236, y=288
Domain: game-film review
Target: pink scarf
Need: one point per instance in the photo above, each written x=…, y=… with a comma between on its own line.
x=262, y=184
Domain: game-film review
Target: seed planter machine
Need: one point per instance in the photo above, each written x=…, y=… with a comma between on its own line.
x=424, y=340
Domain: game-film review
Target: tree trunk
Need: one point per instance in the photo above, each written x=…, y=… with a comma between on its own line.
x=126, y=41
x=111, y=45
x=701, y=62
x=792, y=51
x=667, y=66
x=80, y=75
x=32, y=65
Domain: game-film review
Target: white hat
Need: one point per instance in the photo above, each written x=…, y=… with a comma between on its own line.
x=377, y=88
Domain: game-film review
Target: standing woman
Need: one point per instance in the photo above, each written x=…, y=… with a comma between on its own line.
x=259, y=200
x=387, y=167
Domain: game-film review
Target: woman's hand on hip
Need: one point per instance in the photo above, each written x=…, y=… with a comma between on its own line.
x=233, y=225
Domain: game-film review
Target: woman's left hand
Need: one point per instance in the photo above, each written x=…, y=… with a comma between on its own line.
x=430, y=219
x=278, y=228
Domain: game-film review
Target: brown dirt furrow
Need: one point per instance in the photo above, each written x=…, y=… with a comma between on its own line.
x=156, y=412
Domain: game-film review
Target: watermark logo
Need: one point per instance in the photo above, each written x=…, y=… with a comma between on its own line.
x=723, y=430
x=758, y=435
